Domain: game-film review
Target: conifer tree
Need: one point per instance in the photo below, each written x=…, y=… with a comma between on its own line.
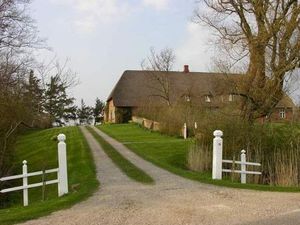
x=98, y=109
x=57, y=102
x=34, y=94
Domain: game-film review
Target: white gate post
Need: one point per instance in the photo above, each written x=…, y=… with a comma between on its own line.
x=25, y=183
x=184, y=131
x=243, y=167
x=217, y=155
x=62, y=166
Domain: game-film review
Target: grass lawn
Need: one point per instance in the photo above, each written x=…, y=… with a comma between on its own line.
x=170, y=153
x=40, y=150
x=126, y=166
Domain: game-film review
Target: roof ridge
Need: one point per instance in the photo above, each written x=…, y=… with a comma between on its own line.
x=178, y=71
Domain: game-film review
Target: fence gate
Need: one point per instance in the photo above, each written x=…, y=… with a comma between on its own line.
x=217, y=168
x=62, y=174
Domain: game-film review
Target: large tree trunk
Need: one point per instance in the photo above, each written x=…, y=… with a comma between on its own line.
x=255, y=83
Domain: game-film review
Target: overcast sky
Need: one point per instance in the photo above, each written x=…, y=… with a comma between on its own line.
x=103, y=38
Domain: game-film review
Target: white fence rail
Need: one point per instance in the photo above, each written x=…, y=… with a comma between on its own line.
x=218, y=161
x=62, y=174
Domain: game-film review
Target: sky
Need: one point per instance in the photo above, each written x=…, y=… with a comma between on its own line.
x=103, y=38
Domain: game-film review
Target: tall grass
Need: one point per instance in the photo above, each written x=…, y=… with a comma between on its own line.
x=275, y=146
x=199, y=157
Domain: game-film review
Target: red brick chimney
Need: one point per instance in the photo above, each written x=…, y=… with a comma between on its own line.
x=186, y=69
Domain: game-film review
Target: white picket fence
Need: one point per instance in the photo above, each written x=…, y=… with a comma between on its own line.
x=62, y=174
x=218, y=161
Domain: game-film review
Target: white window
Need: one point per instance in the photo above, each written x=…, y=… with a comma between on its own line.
x=282, y=114
x=207, y=98
x=231, y=98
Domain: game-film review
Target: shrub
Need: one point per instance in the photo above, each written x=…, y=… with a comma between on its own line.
x=171, y=118
x=123, y=115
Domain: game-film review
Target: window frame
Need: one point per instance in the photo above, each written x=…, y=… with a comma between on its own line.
x=282, y=114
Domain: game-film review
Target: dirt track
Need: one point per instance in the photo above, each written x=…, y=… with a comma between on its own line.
x=171, y=201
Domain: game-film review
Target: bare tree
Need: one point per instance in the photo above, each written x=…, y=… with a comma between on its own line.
x=160, y=64
x=18, y=38
x=54, y=67
x=266, y=35
x=18, y=31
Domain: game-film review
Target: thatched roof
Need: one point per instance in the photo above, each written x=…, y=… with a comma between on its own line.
x=136, y=88
x=286, y=102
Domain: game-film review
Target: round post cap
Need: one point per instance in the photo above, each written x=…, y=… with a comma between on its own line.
x=24, y=162
x=218, y=133
x=61, y=137
x=243, y=151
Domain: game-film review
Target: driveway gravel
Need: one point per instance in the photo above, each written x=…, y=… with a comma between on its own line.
x=172, y=200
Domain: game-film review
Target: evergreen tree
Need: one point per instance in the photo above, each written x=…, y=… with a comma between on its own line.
x=84, y=112
x=70, y=113
x=57, y=102
x=34, y=94
x=98, y=109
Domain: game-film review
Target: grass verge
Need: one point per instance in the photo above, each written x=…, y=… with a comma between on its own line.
x=125, y=165
x=170, y=153
x=40, y=150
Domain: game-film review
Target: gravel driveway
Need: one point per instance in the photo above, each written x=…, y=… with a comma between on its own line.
x=171, y=201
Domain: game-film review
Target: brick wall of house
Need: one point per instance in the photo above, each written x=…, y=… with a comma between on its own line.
x=111, y=112
x=288, y=115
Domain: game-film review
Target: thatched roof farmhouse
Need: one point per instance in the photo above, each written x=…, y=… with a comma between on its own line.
x=137, y=88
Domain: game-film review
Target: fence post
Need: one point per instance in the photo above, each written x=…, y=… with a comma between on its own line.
x=62, y=166
x=196, y=126
x=243, y=167
x=25, y=183
x=184, y=131
x=217, y=155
